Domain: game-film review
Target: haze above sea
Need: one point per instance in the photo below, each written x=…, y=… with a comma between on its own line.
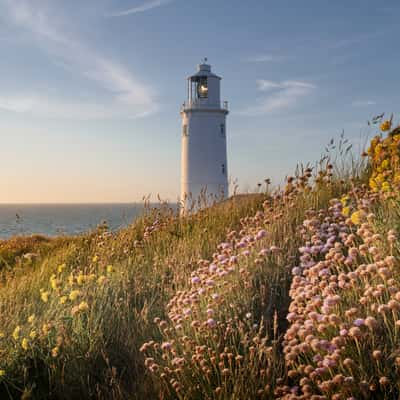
x=64, y=219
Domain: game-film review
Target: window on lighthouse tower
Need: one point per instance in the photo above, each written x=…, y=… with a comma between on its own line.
x=222, y=130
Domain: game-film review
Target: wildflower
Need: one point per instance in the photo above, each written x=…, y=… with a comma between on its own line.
x=359, y=322
x=101, y=279
x=44, y=296
x=31, y=318
x=384, y=381
x=74, y=295
x=357, y=217
x=55, y=351
x=386, y=125
x=16, y=332
x=110, y=269
x=33, y=334
x=61, y=268
x=71, y=279
x=95, y=259
x=2, y=372
x=25, y=344
x=80, y=279
x=195, y=280
x=377, y=354
x=226, y=372
x=46, y=329
x=63, y=299
x=166, y=346
x=371, y=323
x=211, y=323
x=54, y=282
x=261, y=234
x=212, y=268
x=355, y=332
x=346, y=211
x=83, y=306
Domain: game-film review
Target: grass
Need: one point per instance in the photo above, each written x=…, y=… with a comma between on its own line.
x=291, y=294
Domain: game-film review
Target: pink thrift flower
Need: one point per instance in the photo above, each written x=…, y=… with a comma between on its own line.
x=211, y=323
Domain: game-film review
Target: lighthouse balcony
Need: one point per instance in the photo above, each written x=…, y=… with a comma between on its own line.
x=196, y=105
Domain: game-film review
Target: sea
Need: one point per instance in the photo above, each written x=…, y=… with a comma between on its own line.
x=64, y=219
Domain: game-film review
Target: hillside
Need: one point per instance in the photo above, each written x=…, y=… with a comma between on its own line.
x=285, y=294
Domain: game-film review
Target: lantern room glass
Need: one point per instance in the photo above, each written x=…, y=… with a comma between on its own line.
x=202, y=88
x=197, y=88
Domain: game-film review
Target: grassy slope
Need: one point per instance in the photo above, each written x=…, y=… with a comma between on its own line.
x=100, y=354
x=94, y=314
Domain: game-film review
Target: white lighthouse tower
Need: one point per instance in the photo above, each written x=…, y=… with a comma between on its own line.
x=204, y=169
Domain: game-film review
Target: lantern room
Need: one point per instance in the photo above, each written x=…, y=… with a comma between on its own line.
x=203, y=87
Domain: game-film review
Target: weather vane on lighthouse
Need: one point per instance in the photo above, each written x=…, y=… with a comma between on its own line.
x=204, y=169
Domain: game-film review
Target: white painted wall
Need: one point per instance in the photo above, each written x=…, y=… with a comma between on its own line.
x=204, y=167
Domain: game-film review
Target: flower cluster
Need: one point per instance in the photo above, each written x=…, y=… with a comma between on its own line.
x=216, y=333
x=206, y=321
x=70, y=295
x=345, y=300
x=384, y=156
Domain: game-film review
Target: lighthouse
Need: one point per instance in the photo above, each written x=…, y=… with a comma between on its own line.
x=204, y=167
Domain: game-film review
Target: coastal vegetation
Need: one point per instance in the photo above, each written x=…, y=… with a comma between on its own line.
x=291, y=293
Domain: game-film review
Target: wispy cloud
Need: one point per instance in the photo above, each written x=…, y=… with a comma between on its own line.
x=126, y=95
x=363, y=103
x=281, y=95
x=148, y=5
x=356, y=39
x=265, y=58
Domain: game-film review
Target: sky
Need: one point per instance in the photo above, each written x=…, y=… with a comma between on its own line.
x=90, y=90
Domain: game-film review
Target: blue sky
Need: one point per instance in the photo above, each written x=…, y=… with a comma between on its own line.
x=90, y=90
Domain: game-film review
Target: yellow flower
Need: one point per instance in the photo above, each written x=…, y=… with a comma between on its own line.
x=46, y=329
x=101, y=279
x=71, y=279
x=2, y=372
x=344, y=200
x=45, y=296
x=346, y=211
x=95, y=259
x=373, y=185
x=54, y=282
x=55, y=351
x=74, y=295
x=386, y=125
x=61, y=268
x=357, y=217
x=63, y=299
x=385, y=187
x=1, y=335
x=385, y=164
x=16, y=332
x=83, y=306
x=110, y=269
x=31, y=318
x=80, y=279
x=33, y=334
x=25, y=344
